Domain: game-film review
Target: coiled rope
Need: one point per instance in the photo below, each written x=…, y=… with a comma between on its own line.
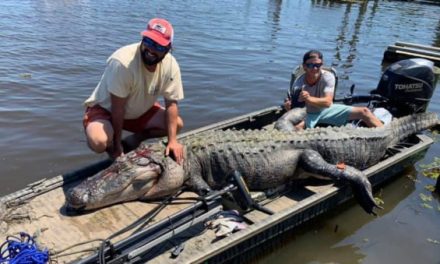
x=22, y=250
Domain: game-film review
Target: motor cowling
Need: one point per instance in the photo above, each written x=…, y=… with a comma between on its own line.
x=408, y=85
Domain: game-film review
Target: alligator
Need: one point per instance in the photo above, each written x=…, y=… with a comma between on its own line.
x=289, y=119
x=266, y=158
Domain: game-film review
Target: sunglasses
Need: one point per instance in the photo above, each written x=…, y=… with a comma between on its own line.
x=153, y=45
x=313, y=65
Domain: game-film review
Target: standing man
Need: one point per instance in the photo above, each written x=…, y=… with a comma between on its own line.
x=317, y=89
x=126, y=96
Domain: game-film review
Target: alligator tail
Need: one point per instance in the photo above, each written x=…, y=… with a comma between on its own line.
x=411, y=124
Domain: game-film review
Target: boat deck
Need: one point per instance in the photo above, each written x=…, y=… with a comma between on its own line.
x=45, y=218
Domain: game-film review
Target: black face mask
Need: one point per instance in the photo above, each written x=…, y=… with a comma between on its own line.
x=151, y=60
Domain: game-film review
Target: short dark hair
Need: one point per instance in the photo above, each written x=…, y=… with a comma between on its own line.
x=312, y=54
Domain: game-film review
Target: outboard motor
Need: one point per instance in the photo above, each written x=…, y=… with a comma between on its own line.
x=407, y=85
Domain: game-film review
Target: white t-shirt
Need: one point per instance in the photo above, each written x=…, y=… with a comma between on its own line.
x=126, y=76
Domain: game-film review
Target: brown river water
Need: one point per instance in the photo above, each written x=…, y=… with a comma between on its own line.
x=236, y=57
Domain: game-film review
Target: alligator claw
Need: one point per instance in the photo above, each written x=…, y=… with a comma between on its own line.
x=204, y=191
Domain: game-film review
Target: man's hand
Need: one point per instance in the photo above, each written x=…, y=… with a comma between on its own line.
x=304, y=96
x=115, y=151
x=176, y=149
x=320, y=102
x=287, y=104
x=173, y=147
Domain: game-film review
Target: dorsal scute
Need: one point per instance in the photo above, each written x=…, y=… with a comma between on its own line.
x=278, y=138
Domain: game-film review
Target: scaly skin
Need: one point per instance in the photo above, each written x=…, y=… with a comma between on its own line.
x=265, y=158
x=129, y=178
x=292, y=117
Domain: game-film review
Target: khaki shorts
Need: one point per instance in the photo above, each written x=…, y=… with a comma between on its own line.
x=137, y=125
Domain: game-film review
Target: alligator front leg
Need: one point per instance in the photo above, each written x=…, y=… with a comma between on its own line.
x=197, y=184
x=291, y=118
x=194, y=179
x=313, y=162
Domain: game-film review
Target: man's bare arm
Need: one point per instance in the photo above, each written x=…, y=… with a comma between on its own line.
x=172, y=113
x=321, y=102
x=118, y=111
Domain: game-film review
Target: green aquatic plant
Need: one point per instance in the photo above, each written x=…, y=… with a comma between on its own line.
x=430, y=187
x=425, y=198
x=379, y=201
x=427, y=206
x=432, y=173
x=435, y=135
x=431, y=170
x=26, y=75
x=412, y=178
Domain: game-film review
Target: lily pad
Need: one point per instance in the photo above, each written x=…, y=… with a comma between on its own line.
x=427, y=206
x=430, y=187
x=379, y=201
x=432, y=173
x=431, y=170
x=425, y=198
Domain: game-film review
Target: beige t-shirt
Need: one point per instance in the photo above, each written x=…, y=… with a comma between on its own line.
x=126, y=76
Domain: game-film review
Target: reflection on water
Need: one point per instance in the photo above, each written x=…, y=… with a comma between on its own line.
x=344, y=39
x=274, y=15
x=338, y=233
x=235, y=56
x=340, y=42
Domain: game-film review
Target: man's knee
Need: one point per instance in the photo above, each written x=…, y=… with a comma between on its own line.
x=300, y=126
x=360, y=113
x=97, y=139
x=369, y=118
x=366, y=112
x=97, y=146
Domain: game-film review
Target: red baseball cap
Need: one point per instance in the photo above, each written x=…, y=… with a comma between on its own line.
x=159, y=30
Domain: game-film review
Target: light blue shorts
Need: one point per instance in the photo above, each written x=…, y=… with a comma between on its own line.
x=335, y=115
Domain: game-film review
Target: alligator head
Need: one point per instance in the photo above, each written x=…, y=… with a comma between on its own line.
x=141, y=174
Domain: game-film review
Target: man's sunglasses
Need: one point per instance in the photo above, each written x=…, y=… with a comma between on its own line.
x=153, y=45
x=313, y=65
